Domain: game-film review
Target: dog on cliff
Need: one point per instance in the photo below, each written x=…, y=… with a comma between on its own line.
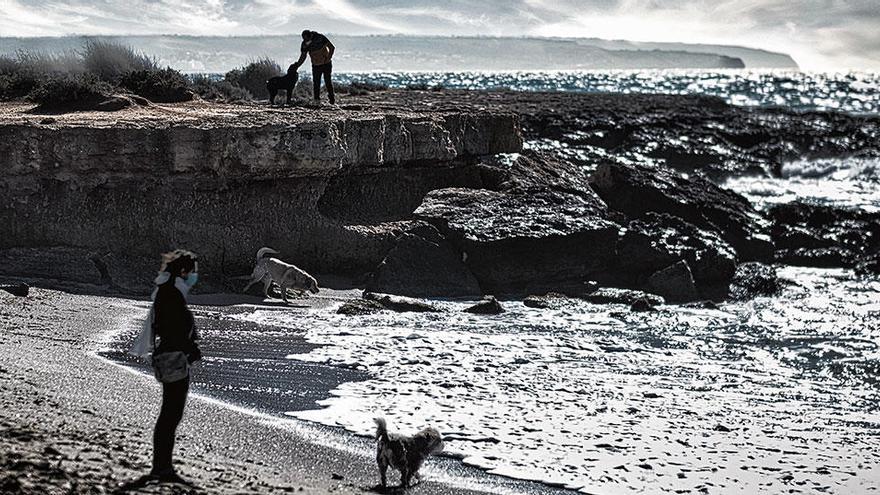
x=286, y=82
x=403, y=453
x=268, y=270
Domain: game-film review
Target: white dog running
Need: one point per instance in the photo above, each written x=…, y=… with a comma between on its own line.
x=268, y=270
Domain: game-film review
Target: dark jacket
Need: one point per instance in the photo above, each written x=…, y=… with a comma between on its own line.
x=174, y=324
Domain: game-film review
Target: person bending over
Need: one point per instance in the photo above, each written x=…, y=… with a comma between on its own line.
x=320, y=50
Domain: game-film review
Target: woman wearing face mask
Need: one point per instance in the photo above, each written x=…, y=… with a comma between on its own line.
x=175, y=352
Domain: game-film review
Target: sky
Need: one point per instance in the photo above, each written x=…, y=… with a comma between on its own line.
x=819, y=34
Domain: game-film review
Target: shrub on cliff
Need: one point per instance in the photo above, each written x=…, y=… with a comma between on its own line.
x=214, y=90
x=22, y=73
x=110, y=61
x=164, y=86
x=254, y=75
x=70, y=90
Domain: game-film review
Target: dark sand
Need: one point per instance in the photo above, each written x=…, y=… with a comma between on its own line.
x=75, y=422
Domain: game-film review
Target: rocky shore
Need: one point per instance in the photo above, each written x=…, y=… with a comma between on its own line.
x=428, y=193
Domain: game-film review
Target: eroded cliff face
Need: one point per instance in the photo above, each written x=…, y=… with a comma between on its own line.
x=330, y=190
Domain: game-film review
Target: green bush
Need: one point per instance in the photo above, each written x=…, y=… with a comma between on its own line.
x=70, y=90
x=254, y=75
x=110, y=61
x=222, y=90
x=163, y=86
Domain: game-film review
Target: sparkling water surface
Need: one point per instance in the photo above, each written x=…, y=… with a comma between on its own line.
x=765, y=395
x=855, y=92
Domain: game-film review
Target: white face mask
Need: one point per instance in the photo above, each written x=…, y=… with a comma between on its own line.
x=181, y=285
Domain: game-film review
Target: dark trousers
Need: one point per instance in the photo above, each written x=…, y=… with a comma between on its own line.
x=323, y=70
x=173, y=400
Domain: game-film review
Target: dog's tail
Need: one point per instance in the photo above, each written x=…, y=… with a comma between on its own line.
x=381, y=429
x=264, y=251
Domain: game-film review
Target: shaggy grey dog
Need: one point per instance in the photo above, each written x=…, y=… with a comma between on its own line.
x=403, y=453
x=268, y=270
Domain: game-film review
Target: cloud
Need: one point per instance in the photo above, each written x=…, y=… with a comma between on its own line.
x=342, y=9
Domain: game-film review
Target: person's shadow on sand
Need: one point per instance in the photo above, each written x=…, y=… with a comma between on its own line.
x=136, y=485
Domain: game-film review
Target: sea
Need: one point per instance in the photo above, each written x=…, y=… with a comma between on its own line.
x=853, y=92
x=773, y=395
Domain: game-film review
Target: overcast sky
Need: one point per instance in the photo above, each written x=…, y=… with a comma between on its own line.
x=819, y=34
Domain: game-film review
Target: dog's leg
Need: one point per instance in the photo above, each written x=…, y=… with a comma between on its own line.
x=404, y=476
x=289, y=94
x=383, y=470
x=255, y=278
x=272, y=93
x=267, y=282
x=283, y=292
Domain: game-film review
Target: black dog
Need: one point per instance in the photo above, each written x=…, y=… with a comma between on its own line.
x=286, y=82
x=403, y=453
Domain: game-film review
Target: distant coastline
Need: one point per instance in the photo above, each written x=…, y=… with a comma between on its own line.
x=415, y=53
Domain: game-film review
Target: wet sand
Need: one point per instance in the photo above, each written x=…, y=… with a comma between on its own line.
x=75, y=422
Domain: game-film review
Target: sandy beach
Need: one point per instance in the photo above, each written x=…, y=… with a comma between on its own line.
x=74, y=422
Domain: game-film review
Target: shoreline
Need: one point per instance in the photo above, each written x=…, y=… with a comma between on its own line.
x=79, y=402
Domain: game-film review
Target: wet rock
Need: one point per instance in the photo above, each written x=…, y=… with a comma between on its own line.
x=608, y=295
x=675, y=283
x=642, y=306
x=423, y=264
x=660, y=240
x=638, y=189
x=400, y=304
x=754, y=280
x=702, y=305
x=548, y=300
x=869, y=265
x=827, y=257
x=822, y=235
x=359, y=307
x=531, y=234
x=18, y=289
x=488, y=306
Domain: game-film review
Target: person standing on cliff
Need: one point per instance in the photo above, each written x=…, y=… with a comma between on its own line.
x=320, y=50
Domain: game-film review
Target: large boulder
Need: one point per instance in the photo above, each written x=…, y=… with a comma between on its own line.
x=423, y=264
x=639, y=189
x=675, y=283
x=524, y=239
x=536, y=225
